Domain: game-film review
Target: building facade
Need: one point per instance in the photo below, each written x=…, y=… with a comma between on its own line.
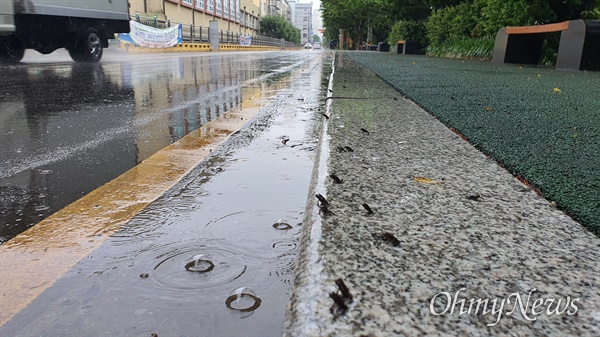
x=240, y=16
x=303, y=20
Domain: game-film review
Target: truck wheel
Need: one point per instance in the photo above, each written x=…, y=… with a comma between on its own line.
x=87, y=47
x=13, y=52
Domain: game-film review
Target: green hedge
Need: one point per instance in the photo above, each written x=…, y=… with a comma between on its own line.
x=451, y=23
x=408, y=30
x=464, y=47
x=467, y=30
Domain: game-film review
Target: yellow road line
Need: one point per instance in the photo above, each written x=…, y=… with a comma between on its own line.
x=35, y=259
x=196, y=47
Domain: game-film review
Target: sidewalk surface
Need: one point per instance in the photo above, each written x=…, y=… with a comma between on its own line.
x=465, y=229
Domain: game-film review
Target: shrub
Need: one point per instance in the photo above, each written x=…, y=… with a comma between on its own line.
x=481, y=18
x=451, y=23
x=408, y=30
x=464, y=47
x=592, y=14
x=467, y=30
x=496, y=14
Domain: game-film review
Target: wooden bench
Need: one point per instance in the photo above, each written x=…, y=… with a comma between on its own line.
x=409, y=47
x=579, y=46
x=368, y=47
x=401, y=45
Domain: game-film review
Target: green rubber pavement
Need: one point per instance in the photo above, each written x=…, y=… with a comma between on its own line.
x=542, y=125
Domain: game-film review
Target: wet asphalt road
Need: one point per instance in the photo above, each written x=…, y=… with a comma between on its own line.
x=92, y=123
x=68, y=128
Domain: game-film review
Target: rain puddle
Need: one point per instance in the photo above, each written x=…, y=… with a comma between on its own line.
x=214, y=256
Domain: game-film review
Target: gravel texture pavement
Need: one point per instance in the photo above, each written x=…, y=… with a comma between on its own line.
x=420, y=233
x=542, y=125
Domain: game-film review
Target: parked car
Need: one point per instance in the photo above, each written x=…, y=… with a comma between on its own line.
x=316, y=45
x=307, y=45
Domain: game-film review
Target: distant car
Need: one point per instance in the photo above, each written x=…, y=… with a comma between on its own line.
x=307, y=45
x=316, y=45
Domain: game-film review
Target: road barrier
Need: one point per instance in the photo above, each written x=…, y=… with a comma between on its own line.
x=194, y=47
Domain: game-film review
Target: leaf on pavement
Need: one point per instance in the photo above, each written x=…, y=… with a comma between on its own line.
x=425, y=180
x=556, y=90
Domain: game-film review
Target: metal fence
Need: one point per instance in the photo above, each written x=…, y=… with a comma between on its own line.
x=198, y=33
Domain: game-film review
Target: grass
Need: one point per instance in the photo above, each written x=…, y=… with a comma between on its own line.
x=542, y=125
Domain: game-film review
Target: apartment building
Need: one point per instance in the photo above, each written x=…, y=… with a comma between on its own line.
x=232, y=15
x=302, y=20
x=277, y=7
x=240, y=16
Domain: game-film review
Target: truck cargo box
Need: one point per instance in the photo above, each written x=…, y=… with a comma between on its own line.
x=96, y=9
x=7, y=21
x=83, y=27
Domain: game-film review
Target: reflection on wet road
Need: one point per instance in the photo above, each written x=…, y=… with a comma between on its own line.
x=214, y=255
x=68, y=128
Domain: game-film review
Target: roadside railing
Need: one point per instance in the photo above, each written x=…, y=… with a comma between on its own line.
x=198, y=33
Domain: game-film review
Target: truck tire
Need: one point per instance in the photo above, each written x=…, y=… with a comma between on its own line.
x=13, y=52
x=87, y=46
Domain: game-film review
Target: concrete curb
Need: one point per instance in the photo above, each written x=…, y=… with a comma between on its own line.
x=447, y=224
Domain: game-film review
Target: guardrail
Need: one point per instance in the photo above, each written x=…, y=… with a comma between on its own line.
x=198, y=33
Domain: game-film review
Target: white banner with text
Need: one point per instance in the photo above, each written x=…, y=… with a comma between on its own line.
x=150, y=37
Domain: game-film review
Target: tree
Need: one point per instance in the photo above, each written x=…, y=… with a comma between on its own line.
x=351, y=15
x=355, y=15
x=316, y=38
x=414, y=10
x=278, y=27
x=446, y=20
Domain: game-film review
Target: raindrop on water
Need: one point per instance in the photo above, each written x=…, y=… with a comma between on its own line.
x=199, y=263
x=282, y=224
x=284, y=245
x=243, y=299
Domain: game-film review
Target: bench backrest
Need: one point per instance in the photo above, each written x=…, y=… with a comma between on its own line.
x=549, y=28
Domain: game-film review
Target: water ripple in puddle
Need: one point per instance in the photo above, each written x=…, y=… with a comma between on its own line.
x=186, y=205
x=284, y=245
x=146, y=225
x=169, y=270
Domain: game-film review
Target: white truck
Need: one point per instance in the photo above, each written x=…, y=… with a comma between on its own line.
x=83, y=27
